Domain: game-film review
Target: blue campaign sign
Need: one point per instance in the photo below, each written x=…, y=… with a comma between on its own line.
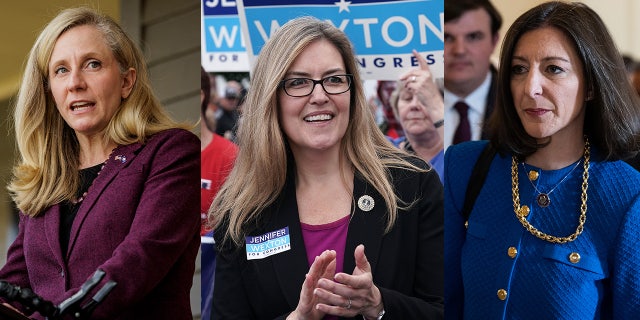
x=223, y=34
x=219, y=7
x=383, y=32
x=223, y=46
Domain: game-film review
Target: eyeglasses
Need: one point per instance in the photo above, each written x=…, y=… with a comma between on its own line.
x=302, y=87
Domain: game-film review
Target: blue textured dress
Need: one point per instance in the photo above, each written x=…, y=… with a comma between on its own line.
x=537, y=279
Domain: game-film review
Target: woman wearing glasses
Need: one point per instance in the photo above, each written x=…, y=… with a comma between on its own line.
x=321, y=216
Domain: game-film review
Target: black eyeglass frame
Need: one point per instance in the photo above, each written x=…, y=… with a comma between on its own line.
x=348, y=76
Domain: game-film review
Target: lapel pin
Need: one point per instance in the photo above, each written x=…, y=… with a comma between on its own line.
x=121, y=158
x=366, y=203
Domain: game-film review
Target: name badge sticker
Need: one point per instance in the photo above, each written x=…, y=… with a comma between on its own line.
x=268, y=244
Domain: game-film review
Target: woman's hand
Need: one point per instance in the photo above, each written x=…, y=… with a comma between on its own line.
x=351, y=295
x=419, y=82
x=323, y=267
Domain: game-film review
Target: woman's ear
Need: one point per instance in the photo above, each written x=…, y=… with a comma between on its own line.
x=128, y=80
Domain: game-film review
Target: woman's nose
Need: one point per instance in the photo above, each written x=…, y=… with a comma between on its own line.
x=533, y=85
x=319, y=95
x=76, y=81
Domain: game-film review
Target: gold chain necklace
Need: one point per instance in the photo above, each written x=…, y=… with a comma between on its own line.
x=523, y=211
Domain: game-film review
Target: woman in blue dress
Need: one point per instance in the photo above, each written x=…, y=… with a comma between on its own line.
x=553, y=231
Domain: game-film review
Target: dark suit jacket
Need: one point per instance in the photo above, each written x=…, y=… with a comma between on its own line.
x=407, y=263
x=139, y=223
x=491, y=100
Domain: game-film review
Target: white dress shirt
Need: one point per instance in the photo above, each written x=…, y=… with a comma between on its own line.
x=477, y=102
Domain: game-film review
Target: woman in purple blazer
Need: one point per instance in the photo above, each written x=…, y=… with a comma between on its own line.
x=105, y=179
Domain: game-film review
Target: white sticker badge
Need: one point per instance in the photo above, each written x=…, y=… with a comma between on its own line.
x=268, y=244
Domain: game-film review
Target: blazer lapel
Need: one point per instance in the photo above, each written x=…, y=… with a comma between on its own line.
x=119, y=159
x=291, y=266
x=52, y=231
x=366, y=227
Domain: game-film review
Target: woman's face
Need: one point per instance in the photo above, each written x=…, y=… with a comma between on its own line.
x=317, y=121
x=85, y=80
x=547, y=82
x=415, y=118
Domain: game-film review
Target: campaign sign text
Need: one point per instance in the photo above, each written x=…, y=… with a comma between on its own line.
x=383, y=32
x=223, y=47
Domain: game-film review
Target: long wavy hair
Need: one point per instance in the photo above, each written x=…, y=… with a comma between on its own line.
x=260, y=170
x=47, y=171
x=612, y=118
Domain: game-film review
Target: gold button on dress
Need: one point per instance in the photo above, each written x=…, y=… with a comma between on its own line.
x=574, y=257
x=502, y=294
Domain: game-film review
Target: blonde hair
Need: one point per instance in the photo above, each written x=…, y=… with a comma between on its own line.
x=47, y=170
x=260, y=171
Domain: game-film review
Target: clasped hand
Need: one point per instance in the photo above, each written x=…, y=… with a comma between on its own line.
x=346, y=295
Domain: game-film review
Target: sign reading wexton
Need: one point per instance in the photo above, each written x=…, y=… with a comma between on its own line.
x=223, y=48
x=268, y=244
x=383, y=32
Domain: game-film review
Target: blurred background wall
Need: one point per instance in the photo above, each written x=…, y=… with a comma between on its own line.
x=620, y=16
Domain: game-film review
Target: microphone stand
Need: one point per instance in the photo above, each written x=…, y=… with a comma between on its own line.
x=72, y=306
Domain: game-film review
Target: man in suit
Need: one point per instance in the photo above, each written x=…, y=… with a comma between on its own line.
x=471, y=34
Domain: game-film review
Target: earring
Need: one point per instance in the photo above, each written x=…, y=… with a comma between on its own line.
x=589, y=96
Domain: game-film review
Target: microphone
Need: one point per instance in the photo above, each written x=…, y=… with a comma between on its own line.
x=72, y=306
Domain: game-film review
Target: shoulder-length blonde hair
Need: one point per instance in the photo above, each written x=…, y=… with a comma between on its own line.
x=261, y=165
x=47, y=170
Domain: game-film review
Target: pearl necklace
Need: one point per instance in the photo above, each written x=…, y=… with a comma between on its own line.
x=523, y=211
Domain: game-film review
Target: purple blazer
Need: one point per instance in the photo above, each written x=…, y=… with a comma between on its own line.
x=139, y=222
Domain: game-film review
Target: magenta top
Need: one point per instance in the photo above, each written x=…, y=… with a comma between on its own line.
x=330, y=236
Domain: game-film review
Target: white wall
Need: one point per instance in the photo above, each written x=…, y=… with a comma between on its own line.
x=168, y=31
x=620, y=16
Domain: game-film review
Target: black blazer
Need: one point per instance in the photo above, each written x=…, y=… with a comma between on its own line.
x=407, y=262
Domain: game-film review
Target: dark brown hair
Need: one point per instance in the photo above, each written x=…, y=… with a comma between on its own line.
x=454, y=9
x=612, y=119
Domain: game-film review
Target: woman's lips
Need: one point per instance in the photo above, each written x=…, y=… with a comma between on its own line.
x=536, y=112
